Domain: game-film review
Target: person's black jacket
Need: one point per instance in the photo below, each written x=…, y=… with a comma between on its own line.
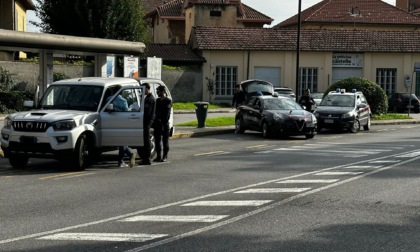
x=163, y=109
x=238, y=98
x=149, y=110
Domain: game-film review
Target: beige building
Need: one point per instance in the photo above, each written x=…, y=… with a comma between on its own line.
x=173, y=20
x=13, y=17
x=339, y=39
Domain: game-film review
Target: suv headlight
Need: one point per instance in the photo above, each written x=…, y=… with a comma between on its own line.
x=63, y=125
x=8, y=122
x=347, y=115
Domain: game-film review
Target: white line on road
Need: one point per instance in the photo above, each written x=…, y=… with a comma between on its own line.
x=228, y=203
x=176, y=218
x=384, y=161
x=308, y=181
x=337, y=173
x=410, y=155
x=363, y=167
x=103, y=237
x=274, y=190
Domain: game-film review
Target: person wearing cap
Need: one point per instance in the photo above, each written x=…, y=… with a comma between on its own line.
x=149, y=114
x=161, y=124
x=238, y=97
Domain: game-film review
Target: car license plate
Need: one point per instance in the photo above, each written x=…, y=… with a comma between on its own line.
x=28, y=140
x=329, y=121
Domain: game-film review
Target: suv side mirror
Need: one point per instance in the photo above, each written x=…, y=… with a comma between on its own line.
x=110, y=107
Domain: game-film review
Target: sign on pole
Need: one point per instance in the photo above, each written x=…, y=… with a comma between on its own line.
x=154, y=68
x=131, y=66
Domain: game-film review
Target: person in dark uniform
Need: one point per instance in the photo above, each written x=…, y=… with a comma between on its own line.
x=149, y=114
x=238, y=97
x=161, y=124
x=307, y=100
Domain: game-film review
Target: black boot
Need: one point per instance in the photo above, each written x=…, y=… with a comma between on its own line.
x=165, y=158
x=157, y=159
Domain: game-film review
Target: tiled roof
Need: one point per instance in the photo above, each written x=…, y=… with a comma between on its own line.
x=28, y=4
x=263, y=39
x=173, y=53
x=353, y=12
x=174, y=8
x=151, y=5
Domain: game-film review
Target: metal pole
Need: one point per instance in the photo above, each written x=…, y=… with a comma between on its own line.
x=298, y=52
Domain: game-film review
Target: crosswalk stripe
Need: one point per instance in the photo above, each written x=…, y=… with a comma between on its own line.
x=363, y=167
x=176, y=218
x=117, y=237
x=228, y=203
x=274, y=190
x=384, y=161
x=337, y=173
x=307, y=181
x=410, y=155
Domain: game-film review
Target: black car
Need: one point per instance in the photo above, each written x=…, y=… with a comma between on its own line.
x=344, y=110
x=275, y=116
x=400, y=102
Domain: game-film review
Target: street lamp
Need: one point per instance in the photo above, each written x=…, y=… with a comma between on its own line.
x=298, y=52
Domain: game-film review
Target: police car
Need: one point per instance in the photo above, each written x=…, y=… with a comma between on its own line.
x=344, y=110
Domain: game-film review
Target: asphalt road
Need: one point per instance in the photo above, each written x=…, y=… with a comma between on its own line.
x=336, y=192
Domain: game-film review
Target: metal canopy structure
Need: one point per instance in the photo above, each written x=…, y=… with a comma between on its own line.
x=48, y=44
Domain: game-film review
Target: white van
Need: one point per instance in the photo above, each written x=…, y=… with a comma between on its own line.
x=73, y=123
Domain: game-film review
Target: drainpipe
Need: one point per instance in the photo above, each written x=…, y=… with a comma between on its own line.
x=247, y=66
x=14, y=15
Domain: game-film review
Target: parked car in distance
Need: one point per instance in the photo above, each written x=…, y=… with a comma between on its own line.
x=344, y=110
x=275, y=116
x=400, y=102
x=285, y=91
x=317, y=98
x=253, y=87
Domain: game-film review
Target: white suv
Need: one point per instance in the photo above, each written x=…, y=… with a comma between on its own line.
x=74, y=122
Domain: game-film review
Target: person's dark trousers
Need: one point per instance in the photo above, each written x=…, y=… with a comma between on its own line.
x=123, y=150
x=145, y=155
x=161, y=135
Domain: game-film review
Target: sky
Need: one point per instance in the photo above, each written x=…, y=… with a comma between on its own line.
x=279, y=10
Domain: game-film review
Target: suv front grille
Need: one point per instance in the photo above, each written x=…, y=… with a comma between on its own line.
x=30, y=126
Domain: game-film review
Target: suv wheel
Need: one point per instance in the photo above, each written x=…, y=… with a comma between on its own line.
x=18, y=161
x=80, y=155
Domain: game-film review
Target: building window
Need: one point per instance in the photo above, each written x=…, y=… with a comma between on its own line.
x=214, y=13
x=386, y=78
x=226, y=80
x=308, y=78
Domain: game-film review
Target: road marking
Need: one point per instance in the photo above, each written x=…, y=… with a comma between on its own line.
x=228, y=203
x=410, y=155
x=176, y=218
x=363, y=167
x=224, y=222
x=274, y=190
x=337, y=173
x=257, y=146
x=62, y=175
x=302, y=148
x=384, y=161
x=103, y=237
x=307, y=181
x=211, y=153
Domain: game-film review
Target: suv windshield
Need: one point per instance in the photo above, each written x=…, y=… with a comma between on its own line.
x=71, y=97
x=338, y=101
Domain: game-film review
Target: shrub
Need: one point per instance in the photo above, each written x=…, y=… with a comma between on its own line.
x=59, y=76
x=374, y=94
x=6, y=80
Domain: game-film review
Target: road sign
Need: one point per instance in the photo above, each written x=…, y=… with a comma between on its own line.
x=407, y=81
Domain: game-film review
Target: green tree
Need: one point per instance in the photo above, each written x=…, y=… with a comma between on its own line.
x=110, y=19
x=374, y=94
